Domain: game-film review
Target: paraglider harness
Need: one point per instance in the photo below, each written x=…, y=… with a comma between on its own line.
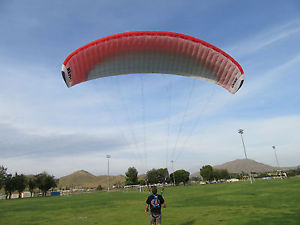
x=155, y=203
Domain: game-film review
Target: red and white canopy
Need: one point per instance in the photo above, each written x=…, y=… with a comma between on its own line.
x=152, y=52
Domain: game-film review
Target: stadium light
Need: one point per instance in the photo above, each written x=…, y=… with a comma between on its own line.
x=277, y=161
x=108, y=157
x=241, y=131
x=172, y=161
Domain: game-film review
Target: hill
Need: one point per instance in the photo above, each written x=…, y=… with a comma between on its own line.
x=242, y=165
x=83, y=178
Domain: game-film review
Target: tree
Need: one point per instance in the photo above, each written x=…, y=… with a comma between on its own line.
x=237, y=175
x=21, y=183
x=156, y=176
x=45, y=182
x=9, y=185
x=3, y=175
x=32, y=185
x=217, y=174
x=180, y=176
x=224, y=174
x=131, y=176
x=152, y=176
x=207, y=173
x=142, y=182
x=291, y=173
x=163, y=173
x=99, y=188
x=197, y=179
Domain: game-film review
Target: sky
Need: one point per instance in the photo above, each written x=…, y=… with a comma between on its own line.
x=146, y=120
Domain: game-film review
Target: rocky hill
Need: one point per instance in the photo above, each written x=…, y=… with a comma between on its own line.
x=85, y=179
x=242, y=165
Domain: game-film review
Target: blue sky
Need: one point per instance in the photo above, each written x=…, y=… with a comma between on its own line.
x=146, y=120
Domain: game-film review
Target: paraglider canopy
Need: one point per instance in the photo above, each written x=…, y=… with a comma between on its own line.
x=152, y=52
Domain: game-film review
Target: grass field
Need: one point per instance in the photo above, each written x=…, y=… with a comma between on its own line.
x=264, y=202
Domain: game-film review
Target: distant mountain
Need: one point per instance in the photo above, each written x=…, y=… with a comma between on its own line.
x=241, y=165
x=78, y=178
x=244, y=165
x=83, y=178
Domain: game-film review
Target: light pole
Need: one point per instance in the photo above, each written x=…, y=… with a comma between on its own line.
x=241, y=131
x=172, y=161
x=277, y=161
x=108, y=157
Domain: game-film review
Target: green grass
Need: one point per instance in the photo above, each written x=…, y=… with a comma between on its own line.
x=264, y=202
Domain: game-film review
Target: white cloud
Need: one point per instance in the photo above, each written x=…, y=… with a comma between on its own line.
x=259, y=41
